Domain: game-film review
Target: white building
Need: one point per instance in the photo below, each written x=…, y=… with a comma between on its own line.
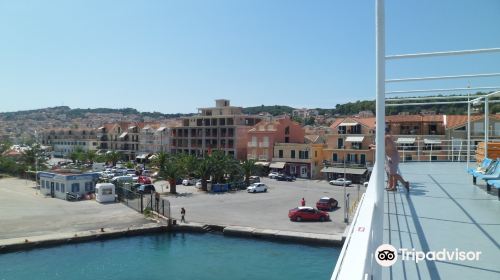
x=58, y=184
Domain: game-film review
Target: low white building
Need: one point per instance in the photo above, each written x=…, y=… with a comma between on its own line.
x=58, y=184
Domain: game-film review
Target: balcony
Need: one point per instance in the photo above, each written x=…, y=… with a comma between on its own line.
x=264, y=157
x=264, y=144
x=252, y=144
x=251, y=156
x=287, y=159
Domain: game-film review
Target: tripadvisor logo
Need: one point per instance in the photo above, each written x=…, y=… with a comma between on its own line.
x=386, y=255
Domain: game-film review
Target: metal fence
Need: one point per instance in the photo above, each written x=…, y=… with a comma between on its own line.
x=141, y=202
x=130, y=198
x=160, y=205
x=437, y=150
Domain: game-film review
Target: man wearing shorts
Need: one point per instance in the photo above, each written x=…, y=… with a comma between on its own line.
x=392, y=163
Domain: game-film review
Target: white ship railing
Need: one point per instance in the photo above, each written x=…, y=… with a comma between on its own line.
x=356, y=260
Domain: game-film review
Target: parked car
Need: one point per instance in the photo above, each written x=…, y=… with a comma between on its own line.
x=272, y=175
x=340, y=182
x=198, y=183
x=70, y=196
x=257, y=187
x=131, y=171
x=305, y=213
x=144, y=180
x=146, y=189
x=327, y=203
x=254, y=179
x=188, y=182
x=282, y=177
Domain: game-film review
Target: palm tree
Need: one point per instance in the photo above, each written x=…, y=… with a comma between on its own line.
x=188, y=164
x=76, y=155
x=169, y=168
x=91, y=156
x=113, y=157
x=248, y=167
x=204, y=170
x=219, y=161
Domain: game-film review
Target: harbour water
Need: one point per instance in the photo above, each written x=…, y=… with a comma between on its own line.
x=172, y=256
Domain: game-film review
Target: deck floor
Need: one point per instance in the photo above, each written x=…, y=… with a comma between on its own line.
x=443, y=210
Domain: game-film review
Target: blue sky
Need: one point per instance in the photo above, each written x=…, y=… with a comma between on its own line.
x=176, y=56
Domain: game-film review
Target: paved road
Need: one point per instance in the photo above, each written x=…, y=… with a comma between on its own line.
x=263, y=210
x=24, y=213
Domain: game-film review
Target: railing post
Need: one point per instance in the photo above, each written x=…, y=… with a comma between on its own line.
x=468, y=132
x=142, y=203
x=377, y=231
x=486, y=126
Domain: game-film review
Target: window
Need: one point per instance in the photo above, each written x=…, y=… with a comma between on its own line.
x=315, y=154
x=62, y=188
x=287, y=130
x=303, y=154
x=75, y=187
x=280, y=153
x=57, y=186
x=47, y=184
x=107, y=191
x=340, y=143
x=42, y=184
x=292, y=153
x=88, y=186
x=287, y=139
x=335, y=158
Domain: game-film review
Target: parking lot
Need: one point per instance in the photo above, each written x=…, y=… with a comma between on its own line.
x=26, y=213
x=263, y=210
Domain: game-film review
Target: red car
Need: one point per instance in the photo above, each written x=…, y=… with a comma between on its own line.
x=327, y=204
x=305, y=213
x=144, y=180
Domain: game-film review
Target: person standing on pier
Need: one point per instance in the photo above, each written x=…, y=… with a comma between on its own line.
x=183, y=213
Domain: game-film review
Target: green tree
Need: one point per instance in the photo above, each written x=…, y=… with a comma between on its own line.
x=30, y=157
x=248, y=167
x=91, y=156
x=77, y=155
x=5, y=145
x=204, y=170
x=188, y=164
x=113, y=157
x=169, y=168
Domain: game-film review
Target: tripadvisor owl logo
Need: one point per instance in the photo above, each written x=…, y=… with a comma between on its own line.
x=386, y=255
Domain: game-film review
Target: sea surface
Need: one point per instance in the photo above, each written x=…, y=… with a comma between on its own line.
x=172, y=256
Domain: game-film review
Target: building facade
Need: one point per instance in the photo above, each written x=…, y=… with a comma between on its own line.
x=121, y=137
x=65, y=141
x=263, y=136
x=223, y=127
x=57, y=184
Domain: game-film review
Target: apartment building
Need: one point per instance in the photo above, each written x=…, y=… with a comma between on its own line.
x=122, y=137
x=66, y=140
x=348, y=149
x=223, y=127
x=154, y=138
x=263, y=136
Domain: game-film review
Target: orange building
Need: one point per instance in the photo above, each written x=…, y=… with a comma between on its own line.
x=265, y=134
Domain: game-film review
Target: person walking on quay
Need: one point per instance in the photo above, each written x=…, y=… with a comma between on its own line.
x=183, y=213
x=303, y=202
